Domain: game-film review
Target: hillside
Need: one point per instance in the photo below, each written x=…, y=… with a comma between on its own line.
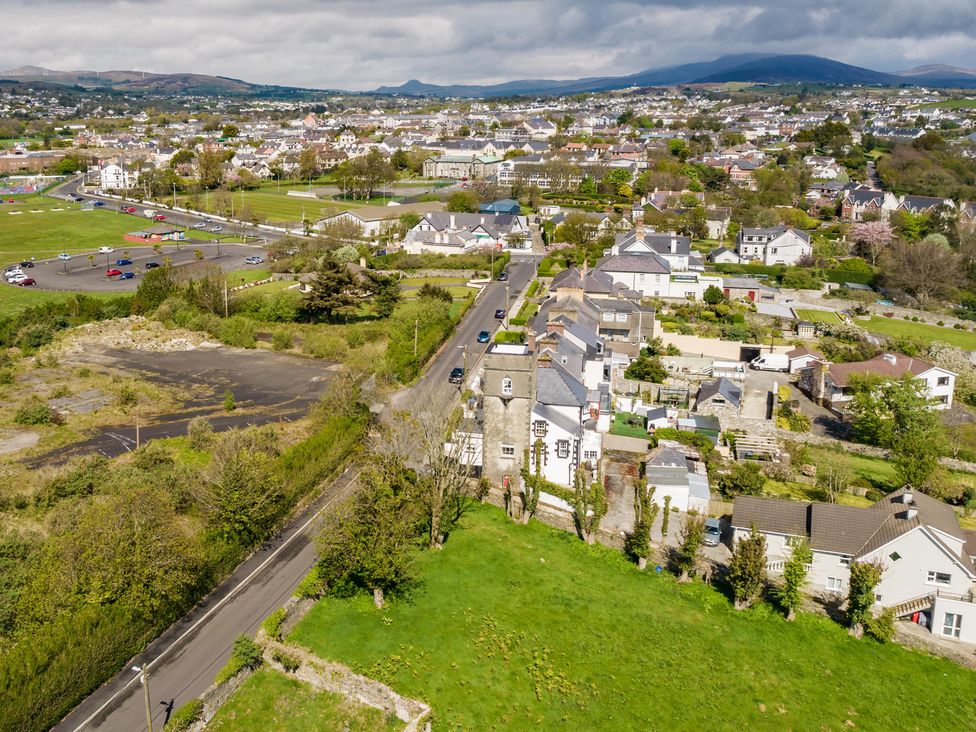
x=794, y=68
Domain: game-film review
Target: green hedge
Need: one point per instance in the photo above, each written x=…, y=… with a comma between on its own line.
x=185, y=717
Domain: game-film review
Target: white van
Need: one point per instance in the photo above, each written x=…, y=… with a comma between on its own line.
x=771, y=362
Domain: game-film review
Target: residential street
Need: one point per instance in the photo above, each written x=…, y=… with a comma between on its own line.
x=183, y=661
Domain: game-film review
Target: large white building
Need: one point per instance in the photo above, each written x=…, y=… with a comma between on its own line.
x=116, y=177
x=457, y=233
x=776, y=245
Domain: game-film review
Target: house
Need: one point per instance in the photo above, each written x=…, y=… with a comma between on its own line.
x=461, y=166
x=650, y=275
x=374, y=220
x=723, y=255
x=455, y=233
x=828, y=384
x=673, y=473
x=721, y=395
x=802, y=357
x=155, y=234
x=775, y=245
x=748, y=288
x=861, y=202
x=927, y=558
x=673, y=248
x=805, y=329
x=117, y=177
x=504, y=206
x=508, y=388
x=717, y=219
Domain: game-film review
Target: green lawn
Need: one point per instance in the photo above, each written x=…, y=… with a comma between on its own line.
x=46, y=234
x=14, y=299
x=525, y=628
x=950, y=104
x=818, y=316
x=269, y=700
x=921, y=331
x=243, y=276
x=627, y=424
x=275, y=207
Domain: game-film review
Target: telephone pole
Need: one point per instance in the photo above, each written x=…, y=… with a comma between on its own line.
x=144, y=678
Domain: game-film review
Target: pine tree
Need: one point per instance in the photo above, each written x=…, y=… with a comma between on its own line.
x=666, y=520
x=747, y=569
x=794, y=577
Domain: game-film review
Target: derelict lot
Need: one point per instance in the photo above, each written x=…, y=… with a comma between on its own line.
x=78, y=274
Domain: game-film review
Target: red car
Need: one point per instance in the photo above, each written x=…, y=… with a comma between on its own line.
x=113, y=272
x=129, y=209
x=159, y=217
x=10, y=200
x=28, y=282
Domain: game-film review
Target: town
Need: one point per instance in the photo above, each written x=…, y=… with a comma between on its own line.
x=394, y=410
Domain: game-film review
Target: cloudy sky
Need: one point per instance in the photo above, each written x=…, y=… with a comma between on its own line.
x=363, y=44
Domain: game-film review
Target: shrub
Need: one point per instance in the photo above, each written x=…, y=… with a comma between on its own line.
x=281, y=340
x=6, y=377
x=246, y=655
x=229, y=404
x=238, y=331
x=746, y=479
x=272, y=623
x=326, y=346
x=882, y=626
x=311, y=587
x=185, y=717
x=199, y=433
x=36, y=412
x=288, y=662
x=82, y=479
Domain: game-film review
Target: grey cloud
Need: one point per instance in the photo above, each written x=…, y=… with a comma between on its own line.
x=358, y=45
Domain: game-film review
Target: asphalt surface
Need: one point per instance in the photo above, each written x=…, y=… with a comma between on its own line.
x=182, y=664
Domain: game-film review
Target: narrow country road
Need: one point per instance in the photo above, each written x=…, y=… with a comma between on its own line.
x=183, y=660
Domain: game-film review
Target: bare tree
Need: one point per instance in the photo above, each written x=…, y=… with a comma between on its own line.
x=926, y=269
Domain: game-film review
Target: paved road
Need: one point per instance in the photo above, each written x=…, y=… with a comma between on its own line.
x=181, y=668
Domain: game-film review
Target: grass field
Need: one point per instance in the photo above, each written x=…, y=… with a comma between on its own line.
x=627, y=424
x=921, y=331
x=818, y=316
x=269, y=700
x=274, y=206
x=524, y=627
x=14, y=299
x=950, y=104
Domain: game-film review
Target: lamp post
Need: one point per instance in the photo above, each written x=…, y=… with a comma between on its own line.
x=464, y=376
x=144, y=678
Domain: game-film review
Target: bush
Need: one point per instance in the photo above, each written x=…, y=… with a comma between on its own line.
x=185, y=717
x=6, y=377
x=288, y=662
x=746, y=479
x=238, y=331
x=272, y=623
x=325, y=346
x=246, y=655
x=882, y=626
x=199, y=433
x=281, y=340
x=229, y=403
x=36, y=412
x=311, y=587
x=80, y=480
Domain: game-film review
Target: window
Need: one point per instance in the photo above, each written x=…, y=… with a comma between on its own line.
x=939, y=578
x=621, y=317
x=608, y=317
x=506, y=385
x=565, y=360
x=845, y=561
x=877, y=597
x=835, y=584
x=539, y=428
x=562, y=448
x=943, y=381
x=508, y=451
x=589, y=454
x=952, y=625
x=894, y=556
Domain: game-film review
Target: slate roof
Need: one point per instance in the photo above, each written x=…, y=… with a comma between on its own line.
x=771, y=514
x=659, y=242
x=970, y=545
x=804, y=351
x=557, y=418
x=773, y=232
x=593, y=281
x=649, y=263
x=730, y=391
x=556, y=386
x=840, y=373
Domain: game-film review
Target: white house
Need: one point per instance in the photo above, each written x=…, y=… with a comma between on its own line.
x=115, y=177
x=802, y=357
x=776, y=245
x=671, y=472
x=447, y=233
x=650, y=275
x=927, y=558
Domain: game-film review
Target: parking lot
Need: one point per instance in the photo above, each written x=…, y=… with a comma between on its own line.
x=80, y=274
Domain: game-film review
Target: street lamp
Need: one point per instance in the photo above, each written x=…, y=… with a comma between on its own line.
x=143, y=671
x=464, y=377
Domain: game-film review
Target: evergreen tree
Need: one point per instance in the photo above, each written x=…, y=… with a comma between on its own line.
x=330, y=294
x=638, y=543
x=865, y=576
x=590, y=505
x=666, y=520
x=794, y=577
x=747, y=569
x=692, y=536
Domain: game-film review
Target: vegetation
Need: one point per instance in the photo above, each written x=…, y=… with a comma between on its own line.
x=865, y=576
x=790, y=594
x=468, y=623
x=747, y=569
x=745, y=479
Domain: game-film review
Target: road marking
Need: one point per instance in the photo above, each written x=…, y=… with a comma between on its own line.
x=220, y=603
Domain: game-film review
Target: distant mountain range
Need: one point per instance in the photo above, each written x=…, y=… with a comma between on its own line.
x=145, y=82
x=753, y=68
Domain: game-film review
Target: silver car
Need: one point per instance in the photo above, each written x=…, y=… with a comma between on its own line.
x=713, y=532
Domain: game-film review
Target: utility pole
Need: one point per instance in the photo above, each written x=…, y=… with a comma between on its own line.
x=174, y=195
x=144, y=678
x=226, y=311
x=137, y=426
x=416, y=331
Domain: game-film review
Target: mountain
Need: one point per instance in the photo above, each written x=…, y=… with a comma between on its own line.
x=146, y=82
x=755, y=68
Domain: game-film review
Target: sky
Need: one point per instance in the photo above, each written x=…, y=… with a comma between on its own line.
x=361, y=45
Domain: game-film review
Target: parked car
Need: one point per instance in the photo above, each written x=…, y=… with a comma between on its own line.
x=129, y=209
x=10, y=200
x=159, y=217
x=127, y=275
x=13, y=274
x=457, y=375
x=113, y=272
x=253, y=260
x=122, y=262
x=500, y=314
x=713, y=532
x=105, y=250
x=27, y=263
x=216, y=229
x=11, y=268
x=17, y=278
x=64, y=257
x=152, y=265
x=98, y=203
x=27, y=282
x=484, y=336
x=201, y=226
x=78, y=199
x=503, y=277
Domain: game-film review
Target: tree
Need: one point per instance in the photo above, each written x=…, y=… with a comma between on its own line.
x=666, y=519
x=794, y=577
x=692, y=535
x=308, y=163
x=865, y=576
x=745, y=479
x=872, y=238
x=590, y=504
x=747, y=569
x=230, y=131
x=330, y=292
x=361, y=175
x=210, y=168
x=385, y=292
x=532, y=481
x=713, y=295
x=371, y=542
x=832, y=480
x=926, y=270
x=638, y=542
x=577, y=229
x=462, y=202
x=647, y=368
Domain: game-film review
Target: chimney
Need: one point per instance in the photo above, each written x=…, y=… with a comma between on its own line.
x=639, y=230
x=559, y=328
x=674, y=244
x=451, y=225
x=908, y=497
x=544, y=361
x=530, y=340
x=911, y=512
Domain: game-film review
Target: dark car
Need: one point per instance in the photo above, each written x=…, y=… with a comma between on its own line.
x=484, y=336
x=152, y=265
x=457, y=375
x=98, y=203
x=500, y=314
x=27, y=282
x=113, y=272
x=27, y=264
x=127, y=275
x=713, y=532
x=122, y=262
x=503, y=277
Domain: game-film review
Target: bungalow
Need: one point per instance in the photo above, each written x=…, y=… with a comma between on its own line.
x=437, y=230
x=775, y=245
x=673, y=473
x=719, y=395
x=748, y=288
x=927, y=558
x=723, y=255
x=372, y=220
x=157, y=233
x=802, y=357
